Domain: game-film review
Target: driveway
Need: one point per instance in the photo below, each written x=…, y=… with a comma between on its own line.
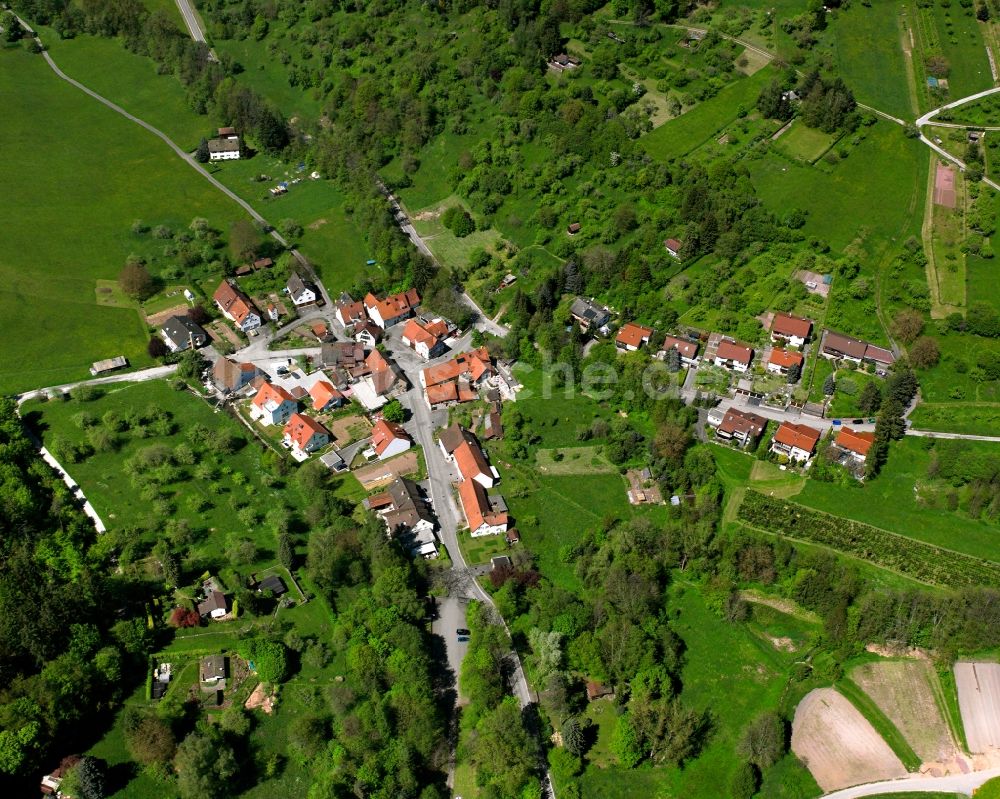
x=451, y=617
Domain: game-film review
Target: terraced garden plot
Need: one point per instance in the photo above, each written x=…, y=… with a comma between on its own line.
x=906, y=691
x=838, y=745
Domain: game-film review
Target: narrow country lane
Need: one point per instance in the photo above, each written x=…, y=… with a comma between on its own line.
x=953, y=783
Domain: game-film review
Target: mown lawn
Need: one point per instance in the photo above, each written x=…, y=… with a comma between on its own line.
x=80, y=174
x=803, y=143
x=678, y=136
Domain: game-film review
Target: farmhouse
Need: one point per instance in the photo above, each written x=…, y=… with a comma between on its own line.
x=632, y=336
x=588, y=313
x=393, y=309
x=673, y=248
x=182, y=333
x=301, y=291
x=425, y=339
x=563, y=62
x=224, y=149
x=343, y=355
x=349, y=312
x=230, y=376
x=272, y=405
x=215, y=605
x=688, y=350
x=455, y=380
x=854, y=443
x=389, y=439
x=780, y=361
x=461, y=448
x=742, y=427
x=485, y=515
x=325, y=396
x=366, y=334
x=792, y=330
x=796, y=441
x=450, y=393
x=236, y=306
x=573, y=228
x=304, y=434
x=407, y=516
x=733, y=356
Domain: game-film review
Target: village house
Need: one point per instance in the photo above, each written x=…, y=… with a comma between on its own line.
x=389, y=439
x=796, y=441
x=632, y=336
x=733, y=356
x=50, y=782
x=344, y=355
x=230, y=376
x=181, y=333
x=367, y=335
x=304, y=434
x=407, y=515
x=325, y=396
x=224, y=148
x=236, y=306
x=573, y=228
x=854, y=443
x=461, y=448
x=792, y=330
x=215, y=605
x=688, y=350
x=301, y=291
x=485, y=515
x=272, y=405
x=425, y=339
x=349, y=312
x=780, y=361
x=742, y=427
x=456, y=380
x=838, y=346
x=588, y=314
x=562, y=62
x=213, y=669
x=393, y=309
x=673, y=248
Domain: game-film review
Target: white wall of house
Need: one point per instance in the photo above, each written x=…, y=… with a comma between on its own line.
x=793, y=453
x=794, y=341
x=225, y=156
x=487, y=529
x=250, y=322
x=777, y=369
x=395, y=447
x=733, y=366
x=304, y=297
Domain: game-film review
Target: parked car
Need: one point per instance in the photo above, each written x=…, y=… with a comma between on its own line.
x=462, y=631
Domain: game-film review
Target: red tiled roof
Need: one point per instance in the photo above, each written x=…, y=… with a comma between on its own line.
x=352, y=312
x=395, y=304
x=477, y=506
x=633, y=335
x=742, y=422
x=323, y=393
x=785, y=358
x=471, y=461
x=269, y=392
x=855, y=441
x=673, y=244
x=731, y=351
x=847, y=345
x=416, y=333
x=475, y=363
x=384, y=433
x=301, y=428
x=798, y=435
x=687, y=349
x=233, y=301
x=787, y=325
x=442, y=392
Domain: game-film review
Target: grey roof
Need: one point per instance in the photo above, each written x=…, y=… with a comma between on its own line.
x=590, y=312
x=216, y=600
x=297, y=284
x=272, y=583
x=223, y=145
x=408, y=506
x=180, y=330
x=453, y=436
x=213, y=667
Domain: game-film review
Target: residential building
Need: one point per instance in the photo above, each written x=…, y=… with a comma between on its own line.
x=733, y=356
x=838, y=346
x=687, y=349
x=367, y=335
x=393, y=309
x=224, y=149
x=215, y=605
x=304, y=434
x=272, y=405
x=461, y=448
x=451, y=393
x=486, y=515
x=343, y=355
x=213, y=669
x=796, y=441
x=780, y=361
x=474, y=366
x=349, y=312
x=673, y=247
x=407, y=516
x=632, y=336
x=854, y=443
x=573, y=228
x=231, y=376
x=183, y=333
x=589, y=314
x=274, y=584
x=425, y=339
x=50, y=782
x=389, y=439
x=325, y=396
x=792, y=330
x=236, y=306
x=742, y=427
x=301, y=291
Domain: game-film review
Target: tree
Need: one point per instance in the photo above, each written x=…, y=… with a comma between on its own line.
x=907, y=325
x=870, y=399
x=763, y=742
x=149, y=739
x=12, y=31
x=625, y=743
x=243, y=240
x=190, y=366
x=204, y=762
x=924, y=353
x=286, y=556
x=902, y=384
x=135, y=279
x=184, y=617
x=772, y=103
x=572, y=736
x=270, y=658
x=794, y=373
x=84, y=781
x=393, y=411
x=745, y=782
x=201, y=155
x=198, y=314
x=290, y=229
x=156, y=348
x=829, y=385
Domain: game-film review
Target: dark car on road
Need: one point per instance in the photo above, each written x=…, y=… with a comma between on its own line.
x=462, y=631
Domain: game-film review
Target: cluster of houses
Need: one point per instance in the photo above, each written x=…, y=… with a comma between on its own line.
x=485, y=513
x=459, y=379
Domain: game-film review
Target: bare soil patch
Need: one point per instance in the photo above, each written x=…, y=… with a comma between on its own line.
x=838, y=745
x=348, y=428
x=945, y=192
x=381, y=474
x=158, y=318
x=260, y=699
x=979, y=702
x=316, y=225
x=907, y=692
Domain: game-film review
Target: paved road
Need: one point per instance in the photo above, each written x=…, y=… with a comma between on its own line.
x=191, y=20
x=954, y=783
x=154, y=373
x=451, y=617
x=958, y=436
x=926, y=120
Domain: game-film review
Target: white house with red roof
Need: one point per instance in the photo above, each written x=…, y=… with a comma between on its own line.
x=688, y=350
x=733, y=356
x=349, y=312
x=272, y=405
x=304, y=434
x=792, y=330
x=780, y=360
x=325, y=396
x=796, y=441
x=389, y=439
x=393, y=309
x=673, y=248
x=855, y=443
x=236, y=306
x=632, y=336
x=425, y=339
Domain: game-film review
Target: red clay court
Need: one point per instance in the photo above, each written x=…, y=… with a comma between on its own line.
x=944, y=186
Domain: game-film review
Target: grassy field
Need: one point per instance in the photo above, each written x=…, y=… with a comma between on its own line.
x=968, y=418
x=573, y=460
x=82, y=175
x=891, y=502
x=802, y=143
x=870, y=56
x=962, y=43
x=985, y=111
x=679, y=136
x=446, y=246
